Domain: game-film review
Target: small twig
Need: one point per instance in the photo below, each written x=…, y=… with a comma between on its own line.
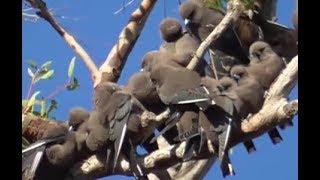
x=70, y=40
x=123, y=7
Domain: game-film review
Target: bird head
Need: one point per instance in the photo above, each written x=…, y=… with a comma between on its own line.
x=148, y=60
x=257, y=49
x=76, y=117
x=237, y=72
x=190, y=12
x=170, y=30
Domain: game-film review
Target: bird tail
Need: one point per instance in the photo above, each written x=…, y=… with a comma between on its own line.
x=225, y=163
x=250, y=147
x=31, y=161
x=275, y=136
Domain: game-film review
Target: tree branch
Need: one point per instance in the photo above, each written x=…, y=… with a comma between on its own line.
x=69, y=39
x=111, y=69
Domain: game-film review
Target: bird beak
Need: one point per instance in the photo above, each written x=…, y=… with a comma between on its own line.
x=249, y=13
x=70, y=128
x=186, y=21
x=236, y=77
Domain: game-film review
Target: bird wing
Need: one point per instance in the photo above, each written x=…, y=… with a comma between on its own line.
x=42, y=143
x=31, y=161
x=121, y=106
x=190, y=96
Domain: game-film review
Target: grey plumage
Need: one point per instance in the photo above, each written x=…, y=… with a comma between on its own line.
x=170, y=29
x=32, y=157
x=251, y=92
x=141, y=87
x=176, y=85
x=281, y=39
x=200, y=23
x=265, y=64
x=181, y=47
x=77, y=116
x=149, y=59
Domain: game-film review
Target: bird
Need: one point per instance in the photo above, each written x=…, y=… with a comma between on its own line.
x=74, y=145
x=200, y=22
x=280, y=38
x=252, y=93
x=77, y=116
x=265, y=64
x=142, y=88
x=33, y=155
x=180, y=89
x=149, y=59
x=170, y=29
x=181, y=48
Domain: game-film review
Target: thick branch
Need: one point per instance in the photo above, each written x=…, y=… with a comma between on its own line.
x=112, y=67
x=45, y=14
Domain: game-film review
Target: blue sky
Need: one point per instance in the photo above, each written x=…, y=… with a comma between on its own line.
x=95, y=26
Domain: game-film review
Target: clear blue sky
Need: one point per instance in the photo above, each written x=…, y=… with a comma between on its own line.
x=95, y=26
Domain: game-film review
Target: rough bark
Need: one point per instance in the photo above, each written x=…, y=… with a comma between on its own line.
x=111, y=69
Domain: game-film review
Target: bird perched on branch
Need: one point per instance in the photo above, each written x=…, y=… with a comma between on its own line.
x=200, y=22
x=180, y=46
x=34, y=159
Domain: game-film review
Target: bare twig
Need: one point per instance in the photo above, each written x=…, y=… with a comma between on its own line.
x=44, y=13
x=123, y=7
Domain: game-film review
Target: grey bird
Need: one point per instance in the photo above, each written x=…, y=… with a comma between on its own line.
x=142, y=88
x=125, y=129
x=181, y=47
x=179, y=86
x=33, y=155
x=149, y=59
x=252, y=93
x=265, y=64
x=200, y=22
x=170, y=29
x=74, y=146
x=281, y=39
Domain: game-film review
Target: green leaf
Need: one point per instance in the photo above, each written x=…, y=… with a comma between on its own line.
x=53, y=105
x=74, y=85
x=33, y=64
x=46, y=65
x=47, y=75
x=24, y=103
x=71, y=67
x=43, y=108
x=33, y=98
x=30, y=73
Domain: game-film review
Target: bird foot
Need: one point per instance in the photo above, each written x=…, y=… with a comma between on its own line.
x=146, y=117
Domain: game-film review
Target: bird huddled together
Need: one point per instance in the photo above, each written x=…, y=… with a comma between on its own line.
x=203, y=107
